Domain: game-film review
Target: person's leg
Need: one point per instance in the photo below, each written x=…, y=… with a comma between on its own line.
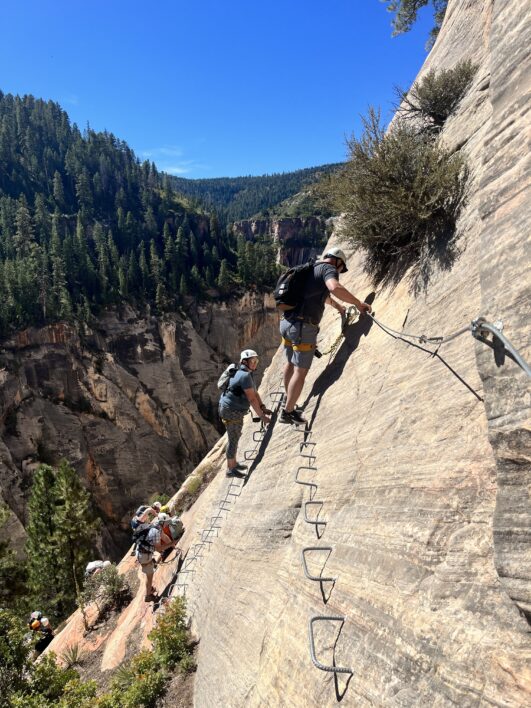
x=149, y=581
x=304, y=338
x=295, y=387
x=288, y=373
x=286, y=331
x=234, y=432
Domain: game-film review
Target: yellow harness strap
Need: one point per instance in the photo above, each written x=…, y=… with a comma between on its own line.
x=226, y=422
x=297, y=347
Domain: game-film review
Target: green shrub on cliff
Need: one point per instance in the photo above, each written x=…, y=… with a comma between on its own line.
x=433, y=99
x=401, y=193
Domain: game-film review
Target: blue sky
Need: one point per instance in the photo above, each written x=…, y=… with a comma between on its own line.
x=211, y=88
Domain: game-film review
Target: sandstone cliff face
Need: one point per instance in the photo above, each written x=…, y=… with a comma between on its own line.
x=131, y=403
x=291, y=234
x=423, y=487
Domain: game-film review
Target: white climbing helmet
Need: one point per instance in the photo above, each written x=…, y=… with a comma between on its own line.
x=336, y=252
x=248, y=354
x=163, y=517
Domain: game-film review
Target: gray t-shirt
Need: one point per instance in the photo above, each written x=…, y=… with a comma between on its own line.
x=234, y=397
x=315, y=293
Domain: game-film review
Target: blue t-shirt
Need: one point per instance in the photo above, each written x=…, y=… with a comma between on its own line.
x=234, y=397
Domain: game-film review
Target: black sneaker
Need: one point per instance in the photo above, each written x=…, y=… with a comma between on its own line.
x=293, y=418
x=234, y=472
x=240, y=467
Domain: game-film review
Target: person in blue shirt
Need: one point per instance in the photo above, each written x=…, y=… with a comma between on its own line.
x=239, y=396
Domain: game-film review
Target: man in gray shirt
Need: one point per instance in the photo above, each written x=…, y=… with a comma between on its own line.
x=299, y=327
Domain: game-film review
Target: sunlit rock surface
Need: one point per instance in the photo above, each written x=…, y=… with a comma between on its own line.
x=424, y=487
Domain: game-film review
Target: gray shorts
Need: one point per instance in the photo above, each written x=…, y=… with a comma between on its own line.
x=300, y=342
x=146, y=562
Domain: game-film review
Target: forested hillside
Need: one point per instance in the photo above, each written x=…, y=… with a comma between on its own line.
x=84, y=224
x=236, y=198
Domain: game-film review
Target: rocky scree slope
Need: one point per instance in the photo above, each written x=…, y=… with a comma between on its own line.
x=424, y=487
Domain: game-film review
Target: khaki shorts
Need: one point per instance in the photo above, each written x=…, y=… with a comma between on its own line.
x=299, y=339
x=146, y=562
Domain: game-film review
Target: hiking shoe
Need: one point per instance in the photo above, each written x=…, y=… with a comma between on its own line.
x=235, y=472
x=240, y=467
x=293, y=418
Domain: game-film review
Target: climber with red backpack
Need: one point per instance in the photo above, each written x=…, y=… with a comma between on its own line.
x=149, y=537
x=301, y=294
x=239, y=395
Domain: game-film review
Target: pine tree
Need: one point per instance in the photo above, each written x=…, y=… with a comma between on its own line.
x=75, y=527
x=224, y=278
x=24, y=235
x=59, y=537
x=42, y=550
x=58, y=190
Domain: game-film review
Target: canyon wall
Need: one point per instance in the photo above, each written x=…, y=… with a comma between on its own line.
x=130, y=402
x=418, y=467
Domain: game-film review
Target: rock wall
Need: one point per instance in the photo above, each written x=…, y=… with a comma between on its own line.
x=420, y=468
x=131, y=403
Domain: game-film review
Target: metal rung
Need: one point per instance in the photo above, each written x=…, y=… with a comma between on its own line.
x=317, y=578
x=250, y=455
x=312, y=485
x=207, y=531
x=315, y=521
x=187, y=570
x=258, y=436
x=188, y=562
x=311, y=456
x=232, y=486
x=316, y=662
x=224, y=501
x=306, y=443
x=304, y=430
x=308, y=466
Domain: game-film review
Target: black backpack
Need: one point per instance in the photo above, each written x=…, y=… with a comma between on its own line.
x=140, y=538
x=289, y=291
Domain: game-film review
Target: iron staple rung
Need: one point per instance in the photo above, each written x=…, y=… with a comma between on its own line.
x=316, y=662
x=317, y=578
x=315, y=521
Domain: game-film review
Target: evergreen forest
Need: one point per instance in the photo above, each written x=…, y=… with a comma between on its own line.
x=85, y=224
x=236, y=198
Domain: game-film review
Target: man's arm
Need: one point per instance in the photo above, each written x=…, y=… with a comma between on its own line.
x=336, y=305
x=337, y=290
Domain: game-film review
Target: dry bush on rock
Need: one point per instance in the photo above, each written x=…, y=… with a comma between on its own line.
x=432, y=100
x=400, y=194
